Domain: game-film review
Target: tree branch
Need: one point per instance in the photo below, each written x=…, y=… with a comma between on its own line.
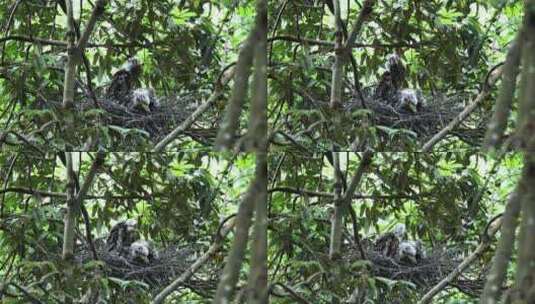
x=64, y=196
x=218, y=92
x=503, y=105
x=338, y=65
x=257, y=131
x=72, y=58
x=188, y=273
x=75, y=200
x=465, y=113
x=365, y=12
x=342, y=205
x=484, y=245
x=70, y=215
x=229, y=126
x=97, y=12
x=290, y=291
x=257, y=288
x=230, y=274
x=329, y=44
x=305, y=192
x=496, y=275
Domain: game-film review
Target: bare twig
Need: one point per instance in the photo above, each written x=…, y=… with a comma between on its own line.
x=330, y=45
x=218, y=242
x=291, y=292
x=482, y=247
x=465, y=113
x=306, y=192
x=218, y=91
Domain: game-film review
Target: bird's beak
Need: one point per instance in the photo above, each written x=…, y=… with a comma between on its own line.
x=145, y=107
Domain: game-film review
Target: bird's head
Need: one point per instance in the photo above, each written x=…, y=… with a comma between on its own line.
x=131, y=224
x=400, y=231
x=143, y=99
x=407, y=250
x=140, y=250
x=410, y=100
x=132, y=66
x=392, y=61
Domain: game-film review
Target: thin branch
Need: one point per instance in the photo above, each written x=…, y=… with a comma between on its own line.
x=365, y=12
x=97, y=163
x=59, y=43
x=306, y=192
x=356, y=236
x=33, y=40
x=293, y=294
x=188, y=273
x=483, y=246
x=329, y=44
x=97, y=12
x=465, y=113
x=26, y=293
x=218, y=92
x=59, y=195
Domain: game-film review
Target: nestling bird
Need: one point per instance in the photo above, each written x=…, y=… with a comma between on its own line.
x=122, y=235
x=142, y=251
x=410, y=100
x=392, y=79
x=123, y=81
x=388, y=243
x=397, y=70
x=411, y=251
x=144, y=100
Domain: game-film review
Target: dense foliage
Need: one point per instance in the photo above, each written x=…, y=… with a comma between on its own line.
x=183, y=46
x=267, y=151
x=445, y=199
x=448, y=48
x=178, y=200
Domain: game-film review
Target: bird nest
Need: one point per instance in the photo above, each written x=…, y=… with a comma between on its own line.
x=432, y=116
x=428, y=272
x=156, y=124
x=158, y=273
x=128, y=124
